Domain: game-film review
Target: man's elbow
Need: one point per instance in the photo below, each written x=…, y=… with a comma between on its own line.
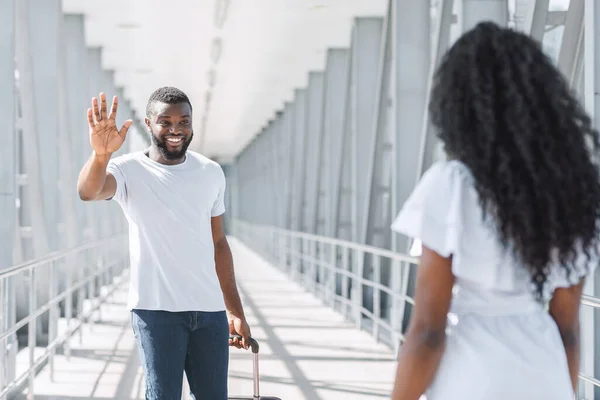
x=84, y=195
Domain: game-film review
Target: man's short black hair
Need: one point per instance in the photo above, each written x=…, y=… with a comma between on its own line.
x=167, y=95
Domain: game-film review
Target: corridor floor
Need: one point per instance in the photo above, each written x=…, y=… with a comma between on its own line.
x=307, y=350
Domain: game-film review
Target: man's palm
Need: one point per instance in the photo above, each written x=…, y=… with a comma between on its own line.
x=105, y=138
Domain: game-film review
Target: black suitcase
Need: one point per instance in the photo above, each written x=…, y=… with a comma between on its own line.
x=256, y=396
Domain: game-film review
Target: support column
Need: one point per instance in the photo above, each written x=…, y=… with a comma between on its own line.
x=590, y=318
x=77, y=102
x=288, y=155
x=44, y=28
x=32, y=199
x=8, y=171
x=299, y=137
x=336, y=89
x=358, y=126
x=532, y=17
x=312, y=154
x=411, y=62
x=8, y=186
x=429, y=150
x=376, y=212
x=68, y=160
x=96, y=85
x=288, y=128
x=570, y=57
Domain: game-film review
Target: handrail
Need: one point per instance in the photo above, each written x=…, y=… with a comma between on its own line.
x=307, y=255
x=585, y=299
x=53, y=256
x=346, y=243
x=107, y=266
x=591, y=301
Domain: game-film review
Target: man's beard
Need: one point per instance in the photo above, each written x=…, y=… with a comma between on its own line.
x=170, y=154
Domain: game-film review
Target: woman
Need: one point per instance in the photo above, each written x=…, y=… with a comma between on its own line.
x=507, y=225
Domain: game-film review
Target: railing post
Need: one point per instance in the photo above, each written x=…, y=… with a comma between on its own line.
x=345, y=278
x=320, y=270
x=32, y=330
x=91, y=286
x=403, y=293
x=302, y=263
x=357, y=288
x=53, y=320
x=80, y=293
x=71, y=265
x=319, y=274
x=312, y=270
x=292, y=253
x=100, y=280
x=395, y=317
x=376, y=295
x=3, y=326
x=282, y=262
x=331, y=275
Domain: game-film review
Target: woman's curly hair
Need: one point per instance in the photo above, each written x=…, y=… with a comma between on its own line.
x=503, y=109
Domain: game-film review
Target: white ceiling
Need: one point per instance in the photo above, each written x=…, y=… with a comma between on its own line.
x=268, y=48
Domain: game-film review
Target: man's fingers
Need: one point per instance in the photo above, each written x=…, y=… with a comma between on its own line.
x=90, y=118
x=113, y=108
x=102, y=106
x=125, y=128
x=95, y=109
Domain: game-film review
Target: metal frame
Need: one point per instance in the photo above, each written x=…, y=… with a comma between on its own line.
x=398, y=141
x=114, y=264
x=335, y=92
x=45, y=60
x=8, y=178
x=590, y=318
x=276, y=246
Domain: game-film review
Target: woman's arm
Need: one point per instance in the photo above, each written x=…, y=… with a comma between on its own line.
x=564, y=309
x=422, y=350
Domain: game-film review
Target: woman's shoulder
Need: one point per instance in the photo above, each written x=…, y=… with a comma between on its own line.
x=441, y=179
x=439, y=207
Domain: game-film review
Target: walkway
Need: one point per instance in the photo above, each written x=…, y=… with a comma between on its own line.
x=307, y=350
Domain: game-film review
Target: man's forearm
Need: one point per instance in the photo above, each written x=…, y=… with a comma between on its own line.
x=92, y=177
x=226, y=274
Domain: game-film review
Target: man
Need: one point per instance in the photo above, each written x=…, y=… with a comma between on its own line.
x=183, y=291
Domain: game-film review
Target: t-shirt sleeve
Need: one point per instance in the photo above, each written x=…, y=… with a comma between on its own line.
x=115, y=168
x=219, y=203
x=433, y=213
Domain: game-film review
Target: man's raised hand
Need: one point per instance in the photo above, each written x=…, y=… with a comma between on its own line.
x=105, y=138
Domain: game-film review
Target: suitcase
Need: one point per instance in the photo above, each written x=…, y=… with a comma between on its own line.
x=256, y=396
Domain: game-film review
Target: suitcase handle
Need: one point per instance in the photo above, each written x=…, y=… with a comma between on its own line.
x=255, y=374
x=253, y=343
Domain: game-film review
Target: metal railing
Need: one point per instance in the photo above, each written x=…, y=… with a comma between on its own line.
x=66, y=279
x=370, y=286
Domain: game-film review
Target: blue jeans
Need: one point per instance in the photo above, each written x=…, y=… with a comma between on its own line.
x=171, y=342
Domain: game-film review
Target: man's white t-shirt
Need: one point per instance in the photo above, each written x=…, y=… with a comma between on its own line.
x=169, y=209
